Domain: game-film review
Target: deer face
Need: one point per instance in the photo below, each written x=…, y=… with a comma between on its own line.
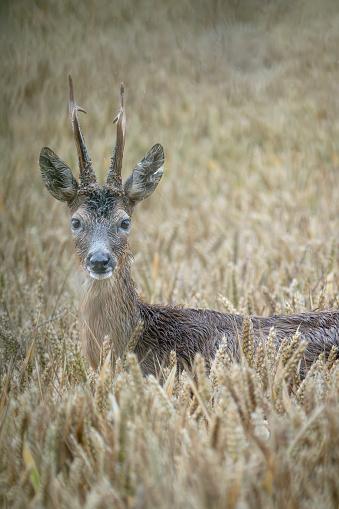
x=101, y=215
x=100, y=227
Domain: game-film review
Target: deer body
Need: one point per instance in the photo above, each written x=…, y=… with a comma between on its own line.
x=187, y=331
x=109, y=303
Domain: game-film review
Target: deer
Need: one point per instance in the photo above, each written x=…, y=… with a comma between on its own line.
x=109, y=302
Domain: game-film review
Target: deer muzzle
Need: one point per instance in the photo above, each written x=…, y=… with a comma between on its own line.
x=100, y=265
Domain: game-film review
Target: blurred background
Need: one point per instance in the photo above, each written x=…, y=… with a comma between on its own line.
x=244, y=97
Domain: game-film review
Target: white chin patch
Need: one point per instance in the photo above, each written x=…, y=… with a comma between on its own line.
x=104, y=275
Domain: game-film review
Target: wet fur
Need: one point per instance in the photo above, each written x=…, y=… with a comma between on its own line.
x=113, y=308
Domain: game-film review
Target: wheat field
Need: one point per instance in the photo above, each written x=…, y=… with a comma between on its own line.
x=244, y=97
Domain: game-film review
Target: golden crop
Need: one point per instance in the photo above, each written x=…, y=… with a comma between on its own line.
x=244, y=97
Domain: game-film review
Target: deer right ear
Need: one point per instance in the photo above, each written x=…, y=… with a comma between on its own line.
x=57, y=176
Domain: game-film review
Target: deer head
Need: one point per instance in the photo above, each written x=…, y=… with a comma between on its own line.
x=101, y=215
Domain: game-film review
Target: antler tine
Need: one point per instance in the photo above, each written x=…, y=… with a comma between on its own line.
x=114, y=173
x=87, y=175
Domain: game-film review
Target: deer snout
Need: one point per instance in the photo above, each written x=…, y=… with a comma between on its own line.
x=100, y=264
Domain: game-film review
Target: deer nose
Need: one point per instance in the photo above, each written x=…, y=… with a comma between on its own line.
x=100, y=263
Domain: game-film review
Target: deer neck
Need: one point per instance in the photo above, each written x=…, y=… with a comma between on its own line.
x=108, y=307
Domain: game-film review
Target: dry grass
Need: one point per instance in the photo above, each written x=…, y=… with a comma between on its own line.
x=244, y=98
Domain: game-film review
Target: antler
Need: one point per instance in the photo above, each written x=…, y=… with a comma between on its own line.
x=87, y=175
x=114, y=173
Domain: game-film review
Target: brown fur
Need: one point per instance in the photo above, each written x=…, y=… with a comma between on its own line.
x=111, y=307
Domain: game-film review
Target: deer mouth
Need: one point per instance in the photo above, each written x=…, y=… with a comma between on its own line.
x=101, y=275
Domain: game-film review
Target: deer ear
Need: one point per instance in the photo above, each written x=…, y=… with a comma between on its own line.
x=146, y=175
x=57, y=176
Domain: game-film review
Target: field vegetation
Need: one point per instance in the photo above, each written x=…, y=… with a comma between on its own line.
x=244, y=97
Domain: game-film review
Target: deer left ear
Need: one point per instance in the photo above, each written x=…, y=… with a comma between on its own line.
x=57, y=176
x=146, y=175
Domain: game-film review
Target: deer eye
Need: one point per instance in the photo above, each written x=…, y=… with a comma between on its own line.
x=76, y=224
x=125, y=224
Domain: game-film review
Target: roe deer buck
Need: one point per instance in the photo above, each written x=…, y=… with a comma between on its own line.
x=109, y=304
